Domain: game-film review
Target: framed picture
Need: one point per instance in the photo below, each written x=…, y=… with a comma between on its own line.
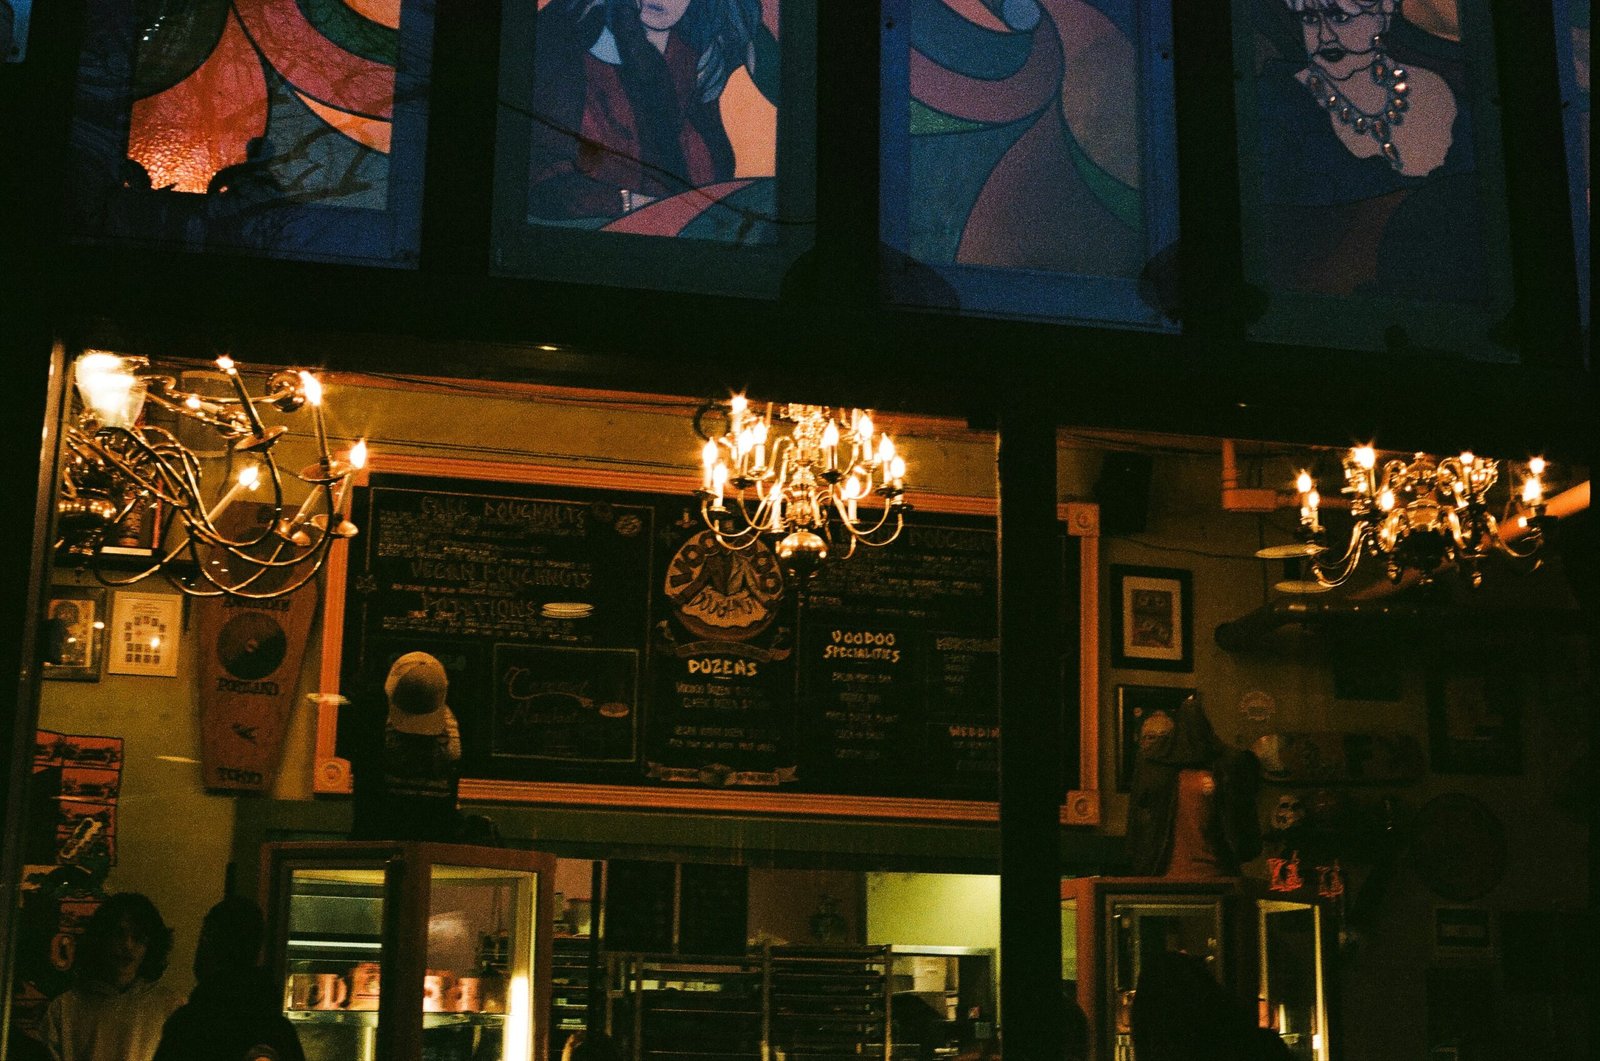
x=73, y=635
x=1144, y=712
x=1475, y=721
x=1151, y=609
x=144, y=633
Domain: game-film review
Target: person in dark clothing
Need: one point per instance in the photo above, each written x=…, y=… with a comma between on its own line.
x=1192, y=812
x=233, y=1013
x=590, y=1046
x=1181, y=1013
x=407, y=775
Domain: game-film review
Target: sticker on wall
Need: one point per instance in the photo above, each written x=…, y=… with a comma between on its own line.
x=145, y=634
x=1257, y=706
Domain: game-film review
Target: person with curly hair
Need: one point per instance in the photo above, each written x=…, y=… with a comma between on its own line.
x=117, y=1006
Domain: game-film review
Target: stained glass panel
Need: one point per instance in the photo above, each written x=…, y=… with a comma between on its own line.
x=1370, y=172
x=1028, y=166
x=294, y=129
x=630, y=119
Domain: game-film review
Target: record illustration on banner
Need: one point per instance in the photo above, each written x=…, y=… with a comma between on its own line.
x=251, y=645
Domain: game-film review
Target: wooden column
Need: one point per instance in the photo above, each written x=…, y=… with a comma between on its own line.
x=1030, y=729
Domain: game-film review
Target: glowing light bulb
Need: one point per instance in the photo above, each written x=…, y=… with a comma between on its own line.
x=1536, y=465
x=1365, y=457
x=1386, y=500
x=1303, y=483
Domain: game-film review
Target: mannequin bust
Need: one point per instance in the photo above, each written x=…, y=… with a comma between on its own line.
x=1192, y=812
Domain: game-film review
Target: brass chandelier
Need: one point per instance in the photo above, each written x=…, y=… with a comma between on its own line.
x=831, y=482
x=1421, y=514
x=126, y=481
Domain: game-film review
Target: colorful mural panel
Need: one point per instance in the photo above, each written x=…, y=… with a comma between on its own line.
x=655, y=118
x=1367, y=158
x=255, y=124
x=1022, y=138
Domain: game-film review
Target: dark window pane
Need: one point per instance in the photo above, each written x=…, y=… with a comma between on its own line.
x=1027, y=157
x=290, y=129
x=1572, y=58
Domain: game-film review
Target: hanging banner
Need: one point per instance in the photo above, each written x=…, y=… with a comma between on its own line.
x=249, y=669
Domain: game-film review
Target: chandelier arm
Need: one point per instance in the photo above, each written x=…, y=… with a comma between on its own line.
x=883, y=518
x=213, y=412
x=112, y=460
x=738, y=540
x=871, y=540
x=1343, y=567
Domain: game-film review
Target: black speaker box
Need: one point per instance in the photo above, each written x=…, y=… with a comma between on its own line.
x=1123, y=493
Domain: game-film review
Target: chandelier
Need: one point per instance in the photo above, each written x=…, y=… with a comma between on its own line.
x=810, y=490
x=1422, y=515
x=127, y=482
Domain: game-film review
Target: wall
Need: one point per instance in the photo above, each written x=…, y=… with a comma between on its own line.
x=933, y=909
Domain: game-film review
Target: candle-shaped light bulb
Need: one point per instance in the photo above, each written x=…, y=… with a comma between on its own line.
x=313, y=389
x=830, y=446
x=1303, y=483
x=1365, y=457
x=1386, y=500
x=708, y=460
x=1467, y=457
x=225, y=363
x=358, y=454
x=864, y=430
x=719, y=479
x=760, y=435
x=852, y=492
x=247, y=479
x=897, y=471
x=1536, y=465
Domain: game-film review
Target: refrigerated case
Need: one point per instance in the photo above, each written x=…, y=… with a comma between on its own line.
x=1260, y=946
x=406, y=951
x=1119, y=923
x=1291, y=987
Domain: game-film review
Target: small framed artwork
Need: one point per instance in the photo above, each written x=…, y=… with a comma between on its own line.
x=73, y=636
x=145, y=634
x=1151, y=610
x=1475, y=721
x=1144, y=713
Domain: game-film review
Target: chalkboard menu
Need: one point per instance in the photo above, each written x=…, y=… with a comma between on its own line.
x=604, y=636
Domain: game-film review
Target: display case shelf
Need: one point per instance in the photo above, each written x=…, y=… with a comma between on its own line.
x=405, y=951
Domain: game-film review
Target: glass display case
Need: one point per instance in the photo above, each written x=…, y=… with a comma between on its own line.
x=406, y=951
x=1113, y=925
x=1291, y=994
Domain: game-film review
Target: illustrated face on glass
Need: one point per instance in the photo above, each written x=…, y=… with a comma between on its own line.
x=1338, y=34
x=662, y=14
